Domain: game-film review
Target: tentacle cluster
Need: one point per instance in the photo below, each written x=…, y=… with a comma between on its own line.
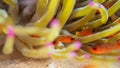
x=59, y=30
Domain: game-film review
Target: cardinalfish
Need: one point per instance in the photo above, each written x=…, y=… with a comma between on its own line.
x=64, y=39
x=104, y=48
x=85, y=32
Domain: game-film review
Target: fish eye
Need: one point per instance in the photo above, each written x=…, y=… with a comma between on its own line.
x=94, y=48
x=72, y=38
x=54, y=42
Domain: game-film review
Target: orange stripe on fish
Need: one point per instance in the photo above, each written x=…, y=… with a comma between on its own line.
x=117, y=44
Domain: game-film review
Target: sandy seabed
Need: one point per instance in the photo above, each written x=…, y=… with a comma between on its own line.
x=16, y=60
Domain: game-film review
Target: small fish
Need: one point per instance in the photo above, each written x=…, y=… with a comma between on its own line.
x=65, y=39
x=85, y=32
x=104, y=48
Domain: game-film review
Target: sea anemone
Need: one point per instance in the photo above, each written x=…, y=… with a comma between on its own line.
x=61, y=29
